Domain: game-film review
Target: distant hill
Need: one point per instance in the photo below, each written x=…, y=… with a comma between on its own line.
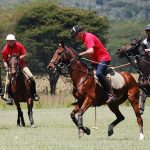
x=113, y=9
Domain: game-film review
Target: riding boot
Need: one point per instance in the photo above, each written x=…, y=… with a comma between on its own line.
x=33, y=90
x=10, y=97
x=107, y=86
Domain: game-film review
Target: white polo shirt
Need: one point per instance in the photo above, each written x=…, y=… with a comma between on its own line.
x=146, y=43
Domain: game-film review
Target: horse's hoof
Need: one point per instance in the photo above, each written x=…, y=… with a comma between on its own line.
x=87, y=131
x=141, y=111
x=23, y=125
x=18, y=125
x=80, y=133
x=141, y=136
x=33, y=126
x=110, y=130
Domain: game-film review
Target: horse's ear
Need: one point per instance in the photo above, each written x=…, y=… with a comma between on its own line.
x=61, y=44
x=134, y=42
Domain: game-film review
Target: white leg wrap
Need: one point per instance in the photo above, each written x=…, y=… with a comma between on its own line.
x=141, y=136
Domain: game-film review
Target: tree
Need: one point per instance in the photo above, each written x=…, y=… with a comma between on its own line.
x=42, y=27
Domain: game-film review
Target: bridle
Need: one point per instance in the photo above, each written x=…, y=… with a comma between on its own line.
x=66, y=60
x=14, y=69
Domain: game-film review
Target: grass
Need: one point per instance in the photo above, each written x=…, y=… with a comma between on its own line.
x=56, y=131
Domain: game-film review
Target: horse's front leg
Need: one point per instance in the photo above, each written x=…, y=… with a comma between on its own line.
x=20, y=120
x=142, y=101
x=87, y=103
x=73, y=117
x=30, y=113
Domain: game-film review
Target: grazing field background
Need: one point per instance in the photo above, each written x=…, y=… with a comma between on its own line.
x=55, y=131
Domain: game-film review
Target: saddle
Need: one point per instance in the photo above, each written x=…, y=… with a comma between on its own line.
x=116, y=79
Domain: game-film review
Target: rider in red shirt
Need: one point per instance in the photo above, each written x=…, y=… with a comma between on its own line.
x=99, y=55
x=18, y=48
x=15, y=48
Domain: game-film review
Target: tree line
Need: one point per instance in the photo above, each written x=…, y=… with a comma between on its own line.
x=40, y=27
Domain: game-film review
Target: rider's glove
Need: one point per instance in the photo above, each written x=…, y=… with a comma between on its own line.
x=79, y=56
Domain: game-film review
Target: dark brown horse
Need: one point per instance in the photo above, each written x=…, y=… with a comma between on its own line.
x=20, y=90
x=89, y=93
x=135, y=53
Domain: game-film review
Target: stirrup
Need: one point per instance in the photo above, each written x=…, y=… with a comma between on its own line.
x=111, y=99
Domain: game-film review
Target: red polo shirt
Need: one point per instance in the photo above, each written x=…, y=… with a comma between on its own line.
x=17, y=49
x=100, y=52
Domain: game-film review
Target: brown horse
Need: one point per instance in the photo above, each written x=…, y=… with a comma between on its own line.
x=88, y=92
x=20, y=90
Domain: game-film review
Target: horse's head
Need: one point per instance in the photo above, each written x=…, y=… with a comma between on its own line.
x=134, y=48
x=13, y=65
x=62, y=56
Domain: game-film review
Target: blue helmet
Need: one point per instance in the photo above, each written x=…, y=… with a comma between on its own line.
x=75, y=29
x=147, y=27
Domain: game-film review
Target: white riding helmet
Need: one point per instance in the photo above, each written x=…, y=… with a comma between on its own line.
x=10, y=37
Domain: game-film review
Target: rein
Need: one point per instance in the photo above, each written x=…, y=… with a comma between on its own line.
x=145, y=61
x=86, y=72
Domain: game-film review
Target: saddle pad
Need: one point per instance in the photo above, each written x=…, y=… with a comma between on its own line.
x=117, y=81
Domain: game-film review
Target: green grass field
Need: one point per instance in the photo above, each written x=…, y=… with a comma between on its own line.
x=56, y=131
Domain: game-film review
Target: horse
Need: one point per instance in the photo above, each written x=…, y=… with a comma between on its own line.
x=90, y=93
x=20, y=90
x=135, y=53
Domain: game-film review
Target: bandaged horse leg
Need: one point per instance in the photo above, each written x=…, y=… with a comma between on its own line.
x=73, y=117
x=142, y=101
x=81, y=129
x=10, y=95
x=30, y=112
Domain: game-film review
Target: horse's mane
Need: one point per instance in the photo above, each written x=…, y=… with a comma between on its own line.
x=83, y=62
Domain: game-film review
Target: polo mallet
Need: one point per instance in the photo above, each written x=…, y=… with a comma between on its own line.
x=6, y=83
x=95, y=127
